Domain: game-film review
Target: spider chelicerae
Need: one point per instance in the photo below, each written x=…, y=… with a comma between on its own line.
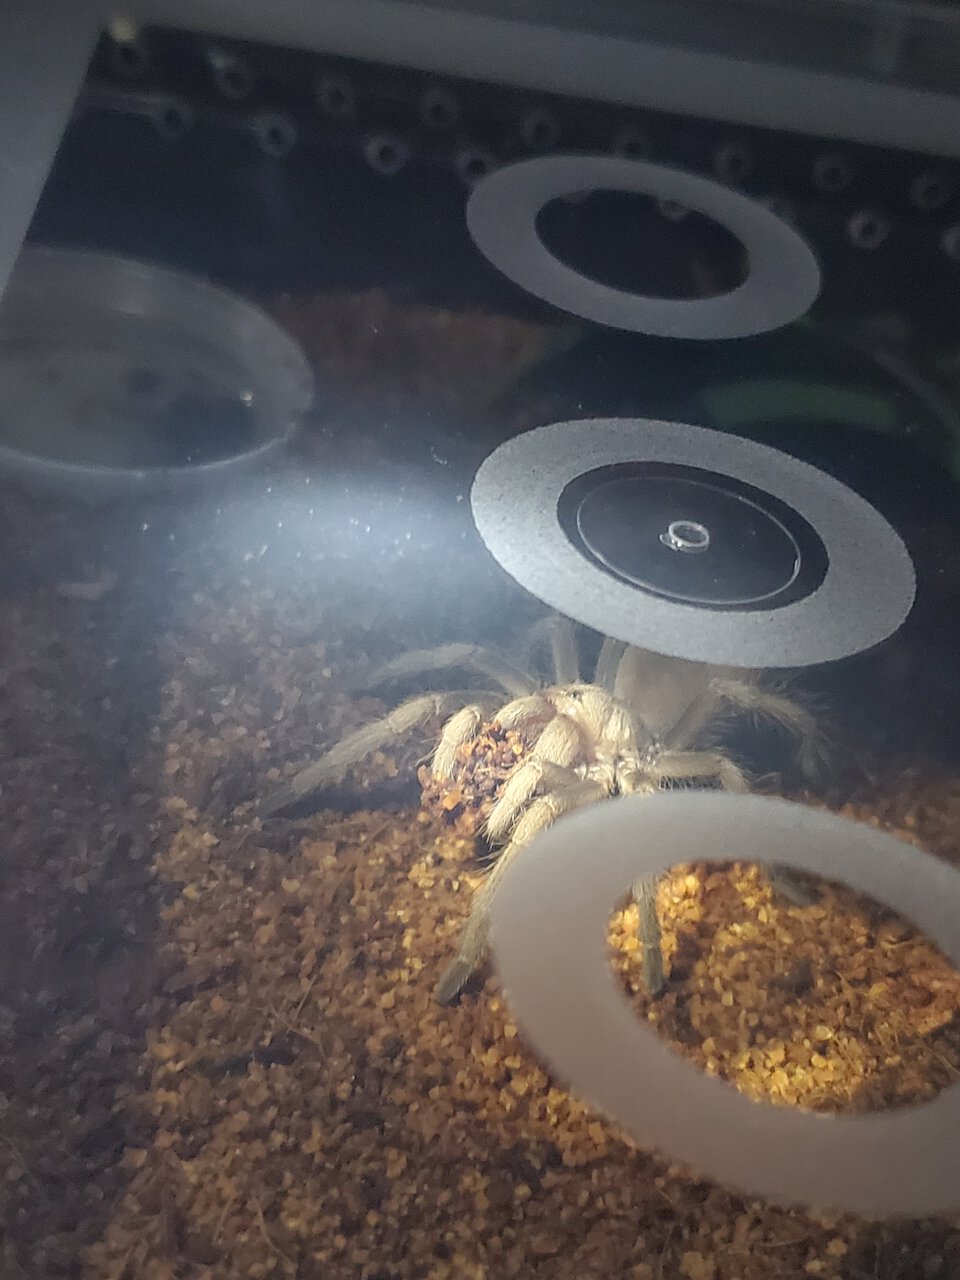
x=642, y=721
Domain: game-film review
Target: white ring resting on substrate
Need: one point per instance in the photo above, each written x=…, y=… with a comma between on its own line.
x=783, y=279
x=549, y=929
x=866, y=594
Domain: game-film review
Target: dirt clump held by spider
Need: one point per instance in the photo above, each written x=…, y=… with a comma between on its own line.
x=482, y=766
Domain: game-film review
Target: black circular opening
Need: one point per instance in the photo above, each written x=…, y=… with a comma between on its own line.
x=693, y=536
x=622, y=240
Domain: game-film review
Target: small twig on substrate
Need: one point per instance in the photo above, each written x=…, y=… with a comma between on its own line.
x=271, y=1244
x=303, y=999
x=666, y=1246
x=223, y=1216
x=18, y=1155
x=370, y=836
x=294, y=1030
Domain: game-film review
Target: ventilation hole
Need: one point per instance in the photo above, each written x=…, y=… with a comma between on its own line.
x=867, y=230
x=386, y=155
x=540, y=130
x=831, y=173
x=472, y=164
x=233, y=80
x=732, y=163
x=620, y=240
x=173, y=121
x=631, y=143
x=336, y=96
x=275, y=134
x=929, y=191
x=438, y=109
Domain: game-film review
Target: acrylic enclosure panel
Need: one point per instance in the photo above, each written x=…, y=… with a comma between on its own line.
x=410, y=473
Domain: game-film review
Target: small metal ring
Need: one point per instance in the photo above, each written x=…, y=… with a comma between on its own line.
x=689, y=536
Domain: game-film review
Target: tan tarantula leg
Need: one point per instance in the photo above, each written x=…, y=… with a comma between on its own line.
x=678, y=766
x=560, y=634
x=558, y=745
x=812, y=758
x=473, y=941
x=563, y=649
x=670, y=766
x=645, y=896
x=788, y=884
x=633, y=781
x=608, y=663
x=332, y=766
x=467, y=657
x=789, y=715
x=520, y=790
x=525, y=711
x=462, y=727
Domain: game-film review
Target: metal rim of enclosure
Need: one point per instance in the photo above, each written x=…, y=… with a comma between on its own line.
x=782, y=283
x=865, y=595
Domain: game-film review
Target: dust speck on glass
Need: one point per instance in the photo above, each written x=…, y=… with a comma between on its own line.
x=480, y=691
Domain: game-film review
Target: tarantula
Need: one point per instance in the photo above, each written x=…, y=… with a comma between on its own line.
x=644, y=721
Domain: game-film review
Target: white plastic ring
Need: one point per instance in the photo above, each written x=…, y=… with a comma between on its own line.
x=550, y=920
x=782, y=284
x=867, y=591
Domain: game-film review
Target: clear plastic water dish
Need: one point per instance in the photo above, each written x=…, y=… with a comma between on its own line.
x=118, y=375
